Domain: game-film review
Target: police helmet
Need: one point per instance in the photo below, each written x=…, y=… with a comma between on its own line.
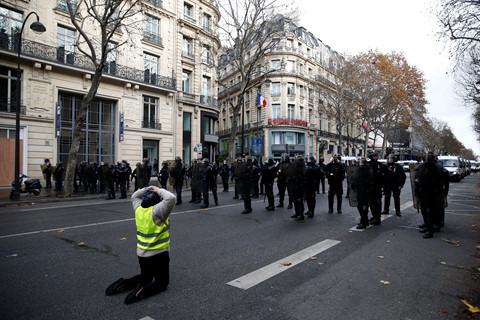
x=336, y=157
x=310, y=159
x=371, y=154
x=321, y=160
x=391, y=157
x=270, y=160
x=299, y=158
x=248, y=158
x=285, y=158
x=428, y=157
x=362, y=161
x=205, y=160
x=239, y=159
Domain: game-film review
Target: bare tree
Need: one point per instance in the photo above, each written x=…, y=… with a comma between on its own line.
x=96, y=23
x=250, y=29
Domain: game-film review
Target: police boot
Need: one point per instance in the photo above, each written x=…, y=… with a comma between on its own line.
x=339, y=203
x=330, y=203
x=280, y=205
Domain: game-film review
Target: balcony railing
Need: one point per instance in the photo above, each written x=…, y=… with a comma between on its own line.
x=10, y=105
x=151, y=124
x=202, y=100
x=157, y=3
x=60, y=55
x=152, y=38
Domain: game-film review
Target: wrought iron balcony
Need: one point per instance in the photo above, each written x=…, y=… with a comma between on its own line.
x=10, y=105
x=152, y=38
x=201, y=100
x=151, y=124
x=60, y=55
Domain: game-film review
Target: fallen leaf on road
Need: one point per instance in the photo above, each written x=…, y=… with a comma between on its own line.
x=205, y=209
x=313, y=258
x=443, y=262
x=61, y=230
x=320, y=263
x=471, y=308
x=392, y=234
x=455, y=242
x=448, y=275
x=388, y=240
x=287, y=264
x=81, y=243
x=270, y=309
x=380, y=257
x=478, y=246
x=385, y=282
x=123, y=238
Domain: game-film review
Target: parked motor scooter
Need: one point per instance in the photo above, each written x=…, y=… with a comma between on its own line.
x=31, y=186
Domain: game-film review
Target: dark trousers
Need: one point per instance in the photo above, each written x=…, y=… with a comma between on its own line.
x=247, y=201
x=282, y=187
x=269, y=193
x=154, y=267
x=298, y=206
x=311, y=201
x=163, y=184
x=49, y=180
x=111, y=190
x=214, y=194
x=123, y=189
x=205, y=198
x=255, y=189
x=395, y=191
x=178, y=189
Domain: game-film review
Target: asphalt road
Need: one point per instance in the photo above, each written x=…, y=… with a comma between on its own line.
x=57, y=259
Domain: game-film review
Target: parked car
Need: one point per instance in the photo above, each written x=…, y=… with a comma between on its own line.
x=454, y=166
x=406, y=164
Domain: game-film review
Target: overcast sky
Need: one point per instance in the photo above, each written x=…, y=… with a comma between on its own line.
x=408, y=26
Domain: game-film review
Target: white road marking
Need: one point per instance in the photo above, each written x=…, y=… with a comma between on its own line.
x=262, y=274
x=147, y=318
x=403, y=207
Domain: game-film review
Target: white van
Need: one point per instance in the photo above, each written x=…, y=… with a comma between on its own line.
x=453, y=165
x=347, y=161
x=406, y=164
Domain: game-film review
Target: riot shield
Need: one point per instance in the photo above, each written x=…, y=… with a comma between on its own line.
x=352, y=177
x=415, y=196
x=140, y=169
x=197, y=173
x=43, y=167
x=240, y=170
x=170, y=166
x=54, y=168
x=287, y=168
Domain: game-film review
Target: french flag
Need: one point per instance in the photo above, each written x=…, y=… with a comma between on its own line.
x=261, y=100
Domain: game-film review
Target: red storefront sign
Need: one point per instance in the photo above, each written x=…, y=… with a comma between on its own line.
x=288, y=122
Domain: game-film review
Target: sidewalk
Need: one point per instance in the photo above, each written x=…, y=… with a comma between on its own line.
x=49, y=195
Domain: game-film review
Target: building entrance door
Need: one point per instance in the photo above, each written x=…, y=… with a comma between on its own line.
x=150, y=151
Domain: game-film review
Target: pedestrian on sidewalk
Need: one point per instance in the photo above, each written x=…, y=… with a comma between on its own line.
x=152, y=206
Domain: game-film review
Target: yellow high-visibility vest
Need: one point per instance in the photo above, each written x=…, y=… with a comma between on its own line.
x=149, y=235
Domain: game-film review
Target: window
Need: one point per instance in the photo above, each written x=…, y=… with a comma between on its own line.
x=301, y=113
x=259, y=114
x=150, y=105
x=300, y=68
x=277, y=137
x=224, y=122
x=187, y=121
x=10, y=25
x=65, y=45
x=301, y=92
x=8, y=89
x=206, y=55
x=186, y=80
x=187, y=9
x=320, y=121
x=290, y=66
x=111, y=61
x=276, y=66
x=276, y=111
x=291, y=111
x=152, y=30
x=289, y=43
x=62, y=5
x=329, y=125
x=208, y=125
x=187, y=47
x=150, y=63
x=207, y=22
x=206, y=86
x=275, y=88
x=291, y=89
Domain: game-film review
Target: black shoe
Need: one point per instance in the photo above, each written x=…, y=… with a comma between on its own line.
x=376, y=222
x=235, y=198
x=280, y=205
x=135, y=294
x=294, y=216
x=428, y=235
x=198, y=200
x=116, y=287
x=330, y=210
x=300, y=218
x=422, y=230
x=398, y=214
x=361, y=226
x=203, y=206
x=193, y=200
x=309, y=214
x=385, y=212
x=289, y=206
x=422, y=226
x=246, y=211
x=339, y=211
x=270, y=208
x=371, y=219
x=216, y=203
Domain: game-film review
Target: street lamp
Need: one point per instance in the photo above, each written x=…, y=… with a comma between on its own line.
x=38, y=27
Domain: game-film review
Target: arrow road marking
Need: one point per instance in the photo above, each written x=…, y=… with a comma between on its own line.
x=262, y=274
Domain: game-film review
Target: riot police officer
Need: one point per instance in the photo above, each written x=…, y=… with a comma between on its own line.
x=360, y=185
x=429, y=186
x=236, y=178
x=194, y=172
x=122, y=176
x=213, y=182
x=245, y=177
x=59, y=171
x=177, y=173
x=205, y=179
x=48, y=173
x=111, y=178
x=312, y=176
x=297, y=178
x=335, y=173
x=163, y=175
x=377, y=173
x=225, y=174
x=269, y=171
x=257, y=172
x=394, y=181
x=283, y=171
x=321, y=166
x=147, y=172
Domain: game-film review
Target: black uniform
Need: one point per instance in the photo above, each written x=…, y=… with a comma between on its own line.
x=312, y=176
x=362, y=184
x=48, y=173
x=321, y=180
x=297, y=179
x=178, y=172
x=269, y=172
x=257, y=172
x=283, y=169
x=147, y=173
x=111, y=179
x=377, y=172
x=225, y=174
x=91, y=177
x=194, y=172
x=59, y=171
x=163, y=176
x=335, y=172
x=430, y=188
x=205, y=178
x=122, y=175
x=246, y=181
x=394, y=180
